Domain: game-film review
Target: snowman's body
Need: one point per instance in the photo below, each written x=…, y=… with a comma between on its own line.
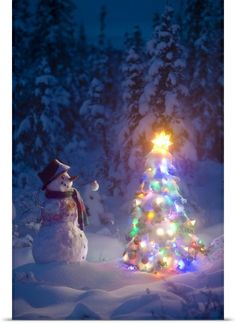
x=60, y=239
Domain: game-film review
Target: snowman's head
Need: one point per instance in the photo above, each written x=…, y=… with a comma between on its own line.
x=63, y=182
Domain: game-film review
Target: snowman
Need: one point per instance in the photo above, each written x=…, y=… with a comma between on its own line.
x=61, y=236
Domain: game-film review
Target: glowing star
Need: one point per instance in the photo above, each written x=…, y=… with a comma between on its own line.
x=161, y=142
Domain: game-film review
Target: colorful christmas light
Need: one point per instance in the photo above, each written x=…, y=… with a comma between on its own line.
x=162, y=235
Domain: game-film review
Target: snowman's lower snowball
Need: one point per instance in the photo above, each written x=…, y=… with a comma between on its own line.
x=60, y=242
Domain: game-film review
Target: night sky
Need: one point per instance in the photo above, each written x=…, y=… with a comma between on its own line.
x=122, y=16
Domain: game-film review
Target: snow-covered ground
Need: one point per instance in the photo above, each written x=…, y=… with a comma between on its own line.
x=98, y=289
x=101, y=289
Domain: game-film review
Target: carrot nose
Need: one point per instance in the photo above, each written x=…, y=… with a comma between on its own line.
x=73, y=178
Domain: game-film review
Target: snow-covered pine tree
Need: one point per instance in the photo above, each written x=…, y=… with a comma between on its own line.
x=180, y=20
x=132, y=87
x=127, y=40
x=96, y=116
x=20, y=49
x=81, y=66
x=54, y=40
x=156, y=20
x=205, y=62
x=161, y=104
x=54, y=35
x=77, y=83
x=102, y=19
x=101, y=62
x=192, y=30
x=218, y=78
x=98, y=110
x=133, y=70
x=93, y=109
x=41, y=132
x=22, y=76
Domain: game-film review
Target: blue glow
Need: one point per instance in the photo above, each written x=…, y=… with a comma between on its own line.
x=128, y=267
x=188, y=264
x=181, y=265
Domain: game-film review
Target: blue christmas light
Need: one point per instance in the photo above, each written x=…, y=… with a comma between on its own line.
x=186, y=264
x=181, y=265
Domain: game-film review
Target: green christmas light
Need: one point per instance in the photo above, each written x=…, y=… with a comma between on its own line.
x=135, y=221
x=134, y=231
x=155, y=185
x=162, y=251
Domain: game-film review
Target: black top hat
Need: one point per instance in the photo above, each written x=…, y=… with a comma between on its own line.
x=52, y=171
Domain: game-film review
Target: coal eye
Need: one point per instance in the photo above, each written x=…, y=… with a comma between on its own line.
x=63, y=178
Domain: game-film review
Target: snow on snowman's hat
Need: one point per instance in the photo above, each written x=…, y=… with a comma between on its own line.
x=52, y=171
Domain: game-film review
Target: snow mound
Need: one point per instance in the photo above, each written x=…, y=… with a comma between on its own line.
x=22, y=241
x=103, y=248
x=82, y=312
x=106, y=291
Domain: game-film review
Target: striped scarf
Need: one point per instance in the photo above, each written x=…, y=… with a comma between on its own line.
x=74, y=194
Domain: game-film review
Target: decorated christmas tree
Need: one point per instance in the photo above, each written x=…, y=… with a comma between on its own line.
x=162, y=235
